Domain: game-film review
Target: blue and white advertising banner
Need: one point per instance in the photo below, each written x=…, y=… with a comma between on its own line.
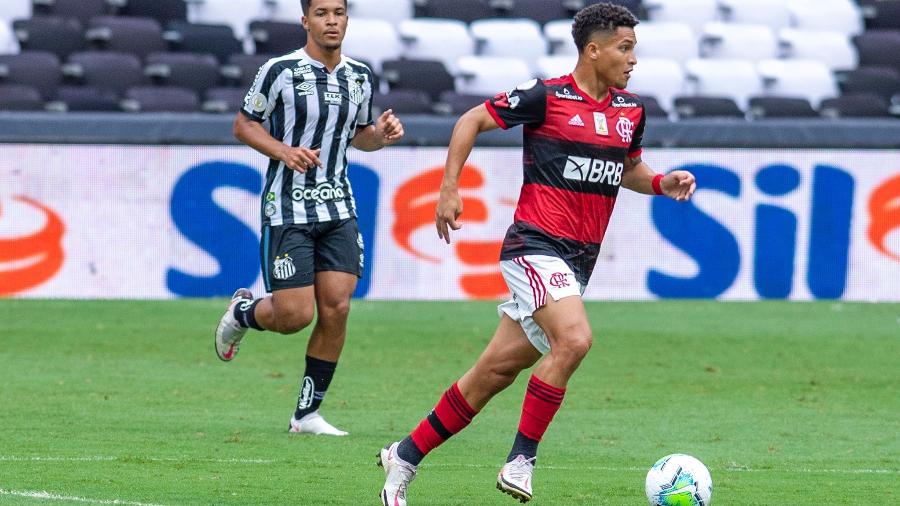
x=179, y=221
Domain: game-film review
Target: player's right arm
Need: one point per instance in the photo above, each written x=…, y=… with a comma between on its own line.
x=253, y=134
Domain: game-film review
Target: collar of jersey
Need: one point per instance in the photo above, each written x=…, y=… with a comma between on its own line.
x=571, y=79
x=316, y=63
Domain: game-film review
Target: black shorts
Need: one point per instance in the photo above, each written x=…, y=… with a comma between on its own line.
x=291, y=255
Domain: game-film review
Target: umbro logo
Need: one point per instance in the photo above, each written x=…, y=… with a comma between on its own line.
x=576, y=121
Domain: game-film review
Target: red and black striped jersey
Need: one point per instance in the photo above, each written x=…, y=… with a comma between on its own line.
x=573, y=158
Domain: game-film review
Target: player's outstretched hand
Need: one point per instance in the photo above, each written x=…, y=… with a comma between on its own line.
x=389, y=127
x=301, y=159
x=449, y=208
x=679, y=185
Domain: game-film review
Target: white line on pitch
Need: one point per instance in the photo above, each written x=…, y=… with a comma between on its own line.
x=42, y=494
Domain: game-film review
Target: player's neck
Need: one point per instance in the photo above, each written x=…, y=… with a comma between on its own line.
x=328, y=57
x=588, y=82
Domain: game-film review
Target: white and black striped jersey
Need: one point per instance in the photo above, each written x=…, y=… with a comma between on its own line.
x=308, y=106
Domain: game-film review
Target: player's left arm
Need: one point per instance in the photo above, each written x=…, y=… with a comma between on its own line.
x=387, y=130
x=638, y=176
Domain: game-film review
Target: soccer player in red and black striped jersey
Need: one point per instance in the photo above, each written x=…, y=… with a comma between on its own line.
x=582, y=142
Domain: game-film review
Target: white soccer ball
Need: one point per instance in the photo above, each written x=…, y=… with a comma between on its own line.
x=678, y=480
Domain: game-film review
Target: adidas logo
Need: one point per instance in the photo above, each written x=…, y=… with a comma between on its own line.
x=576, y=121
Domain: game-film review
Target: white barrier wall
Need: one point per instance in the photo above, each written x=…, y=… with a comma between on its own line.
x=161, y=222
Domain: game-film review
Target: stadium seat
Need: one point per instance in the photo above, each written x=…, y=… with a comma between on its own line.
x=455, y=104
x=38, y=69
x=373, y=40
x=436, y=39
x=542, y=11
x=879, y=47
x=881, y=81
x=161, y=99
x=555, y=66
x=105, y=70
x=277, y=37
x=235, y=13
x=734, y=79
x=403, y=102
x=224, y=100
x=20, y=97
x=652, y=109
x=839, y=15
x=666, y=40
x=196, y=71
x=807, y=79
x=781, y=107
x=242, y=68
x=509, y=38
x=61, y=36
x=694, y=13
x=8, y=42
x=658, y=77
x=772, y=13
x=288, y=11
x=829, y=47
x=855, y=106
x=635, y=6
x=489, y=76
x=707, y=107
x=882, y=15
x=393, y=11
x=429, y=76
x=743, y=42
x=463, y=10
x=559, y=37
x=82, y=10
x=163, y=11
x=85, y=98
x=15, y=9
x=140, y=36
x=218, y=40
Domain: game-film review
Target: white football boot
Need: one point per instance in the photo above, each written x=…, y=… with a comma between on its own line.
x=313, y=423
x=515, y=478
x=229, y=332
x=398, y=474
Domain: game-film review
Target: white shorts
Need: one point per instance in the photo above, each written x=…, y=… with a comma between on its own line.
x=530, y=278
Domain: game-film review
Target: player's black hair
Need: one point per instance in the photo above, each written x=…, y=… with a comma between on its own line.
x=603, y=17
x=305, y=5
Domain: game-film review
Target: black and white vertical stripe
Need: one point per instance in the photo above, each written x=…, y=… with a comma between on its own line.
x=308, y=106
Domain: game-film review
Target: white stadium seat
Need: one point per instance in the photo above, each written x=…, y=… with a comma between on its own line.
x=559, y=36
x=235, y=13
x=666, y=40
x=773, y=13
x=394, y=11
x=660, y=78
x=556, y=65
x=446, y=40
x=372, y=40
x=694, y=13
x=745, y=42
x=512, y=38
x=485, y=75
x=832, y=48
x=809, y=79
x=734, y=79
x=840, y=15
x=8, y=42
x=15, y=9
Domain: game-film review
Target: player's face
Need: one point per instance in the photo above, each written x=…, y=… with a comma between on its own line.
x=326, y=23
x=613, y=56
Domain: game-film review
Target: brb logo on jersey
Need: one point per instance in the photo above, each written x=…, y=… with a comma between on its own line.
x=31, y=257
x=593, y=171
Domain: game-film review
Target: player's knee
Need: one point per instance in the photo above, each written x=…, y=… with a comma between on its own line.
x=293, y=321
x=335, y=311
x=574, y=346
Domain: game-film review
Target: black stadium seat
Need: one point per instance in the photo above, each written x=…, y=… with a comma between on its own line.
x=781, y=107
x=404, y=102
x=20, y=97
x=859, y=105
x=197, y=71
x=429, y=76
x=879, y=47
x=707, y=107
x=38, y=69
x=163, y=11
x=541, y=11
x=106, y=70
x=242, y=68
x=277, y=37
x=161, y=99
x=61, y=36
x=82, y=10
x=463, y=10
x=882, y=14
x=882, y=81
x=140, y=36
x=454, y=103
x=218, y=40
x=224, y=99
x=88, y=98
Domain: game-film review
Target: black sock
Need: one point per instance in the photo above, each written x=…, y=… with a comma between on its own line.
x=523, y=445
x=408, y=451
x=244, y=313
x=315, y=383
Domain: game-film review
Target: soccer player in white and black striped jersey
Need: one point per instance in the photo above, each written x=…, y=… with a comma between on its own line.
x=318, y=102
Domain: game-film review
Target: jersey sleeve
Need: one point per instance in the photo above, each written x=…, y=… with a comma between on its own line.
x=260, y=100
x=525, y=105
x=637, y=142
x=364, y=115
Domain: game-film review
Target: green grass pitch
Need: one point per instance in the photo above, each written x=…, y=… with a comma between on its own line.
x=117, y=402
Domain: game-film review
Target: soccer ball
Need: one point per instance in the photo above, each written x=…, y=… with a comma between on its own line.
x=678, y=480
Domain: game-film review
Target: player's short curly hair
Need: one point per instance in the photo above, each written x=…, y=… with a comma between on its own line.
x=305, y=5
x=603, y=17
